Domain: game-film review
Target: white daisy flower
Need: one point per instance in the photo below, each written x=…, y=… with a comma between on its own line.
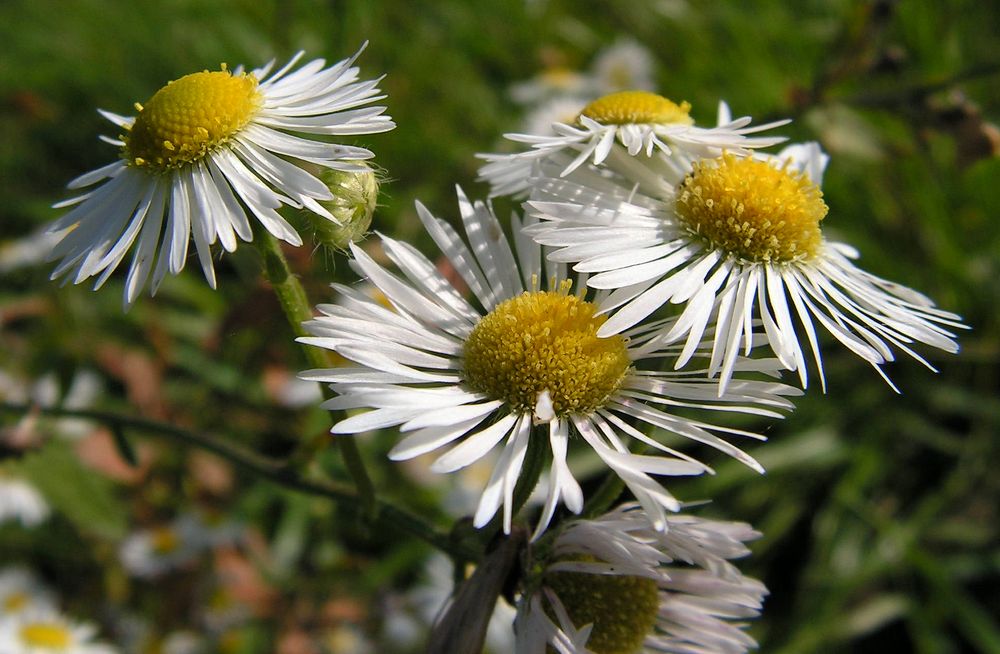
x=206, y=149
x=21, y=591
x=183, y=642
x=553, y=82
x=46, y=631
x=153, y=552
x=449, y=372
x=615, y=585
x=632, y=122
x=737, y=242
x=20, y=501
x=562, y=109
x=625, y=64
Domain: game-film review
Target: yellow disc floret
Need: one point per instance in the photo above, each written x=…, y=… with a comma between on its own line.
x=640, y=107
x=545, y=341
x=752, y=210
x=47, y=635
x=190, y=117
x=164, y=540
x=622, y=608
x=14, y=602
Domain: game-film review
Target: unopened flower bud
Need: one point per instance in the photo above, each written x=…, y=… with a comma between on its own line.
x=354, y=197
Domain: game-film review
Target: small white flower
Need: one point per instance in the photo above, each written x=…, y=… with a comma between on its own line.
x=46, y=631
x=736, y=242
x=554, y=82
x=559, y=110
x=206, y=149
x=153, y=552
x=21, y=591
x=625, y=65
x=20, y=501
x=183, y=642
x=615, y=585
x=623, y=124
x=27, y=251
x=450, y=372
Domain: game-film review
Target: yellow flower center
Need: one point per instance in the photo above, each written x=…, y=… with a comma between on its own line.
x=545, y=341
x=50, y=635
x=560, y=78
x=626, y=107
x=752, y=210
x=190, y=117
x=14, y=602
x=165, y=540
x=622, y=609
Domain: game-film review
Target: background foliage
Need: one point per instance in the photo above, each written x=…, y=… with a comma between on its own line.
x=881, y=512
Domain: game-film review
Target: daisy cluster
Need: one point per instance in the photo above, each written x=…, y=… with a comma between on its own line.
x=31, y=622
x=658, y=276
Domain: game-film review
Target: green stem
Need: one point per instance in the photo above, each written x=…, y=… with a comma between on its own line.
x=388, y=515
x=606, y=494
x=297, y=310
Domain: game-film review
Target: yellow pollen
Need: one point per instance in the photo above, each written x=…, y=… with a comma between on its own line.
x=49, y=635
x=14, y=602
x=623, y=609
x=626, y=107
x=752, y=210
x=189, y=117
x=545, y=341
x=165, y=540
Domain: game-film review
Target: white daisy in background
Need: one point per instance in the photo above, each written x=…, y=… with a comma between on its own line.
x=46, y=631
x=451, y=373
x=26, y=251
x=624, y=65
x=203, y=152
x=153, y=552
x=737, y=242
x=553, y=82
x=632, y=122
x=183, y=642
x=614, y=585
x=563, y=109
x=21, y=591
x=21, y=502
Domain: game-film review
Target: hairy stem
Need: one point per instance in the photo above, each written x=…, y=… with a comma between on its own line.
x=297, y=310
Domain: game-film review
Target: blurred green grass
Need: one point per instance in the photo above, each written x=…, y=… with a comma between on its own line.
x=880, y=512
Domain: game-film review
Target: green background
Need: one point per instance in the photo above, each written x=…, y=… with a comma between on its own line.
x=880, y=511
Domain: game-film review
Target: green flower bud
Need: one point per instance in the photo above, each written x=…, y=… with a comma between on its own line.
x=353, y=204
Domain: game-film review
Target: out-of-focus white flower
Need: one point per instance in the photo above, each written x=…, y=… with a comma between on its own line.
x=31, y=250
x=625, y=65
x=559, y=110
x=150, y=553
x=184, y=642
x=555, y=82
x=21, y=591
x=20, y=501
x=45, y=391
x=46, y=631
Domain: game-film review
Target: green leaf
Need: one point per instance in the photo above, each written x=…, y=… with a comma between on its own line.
x=87, y=499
